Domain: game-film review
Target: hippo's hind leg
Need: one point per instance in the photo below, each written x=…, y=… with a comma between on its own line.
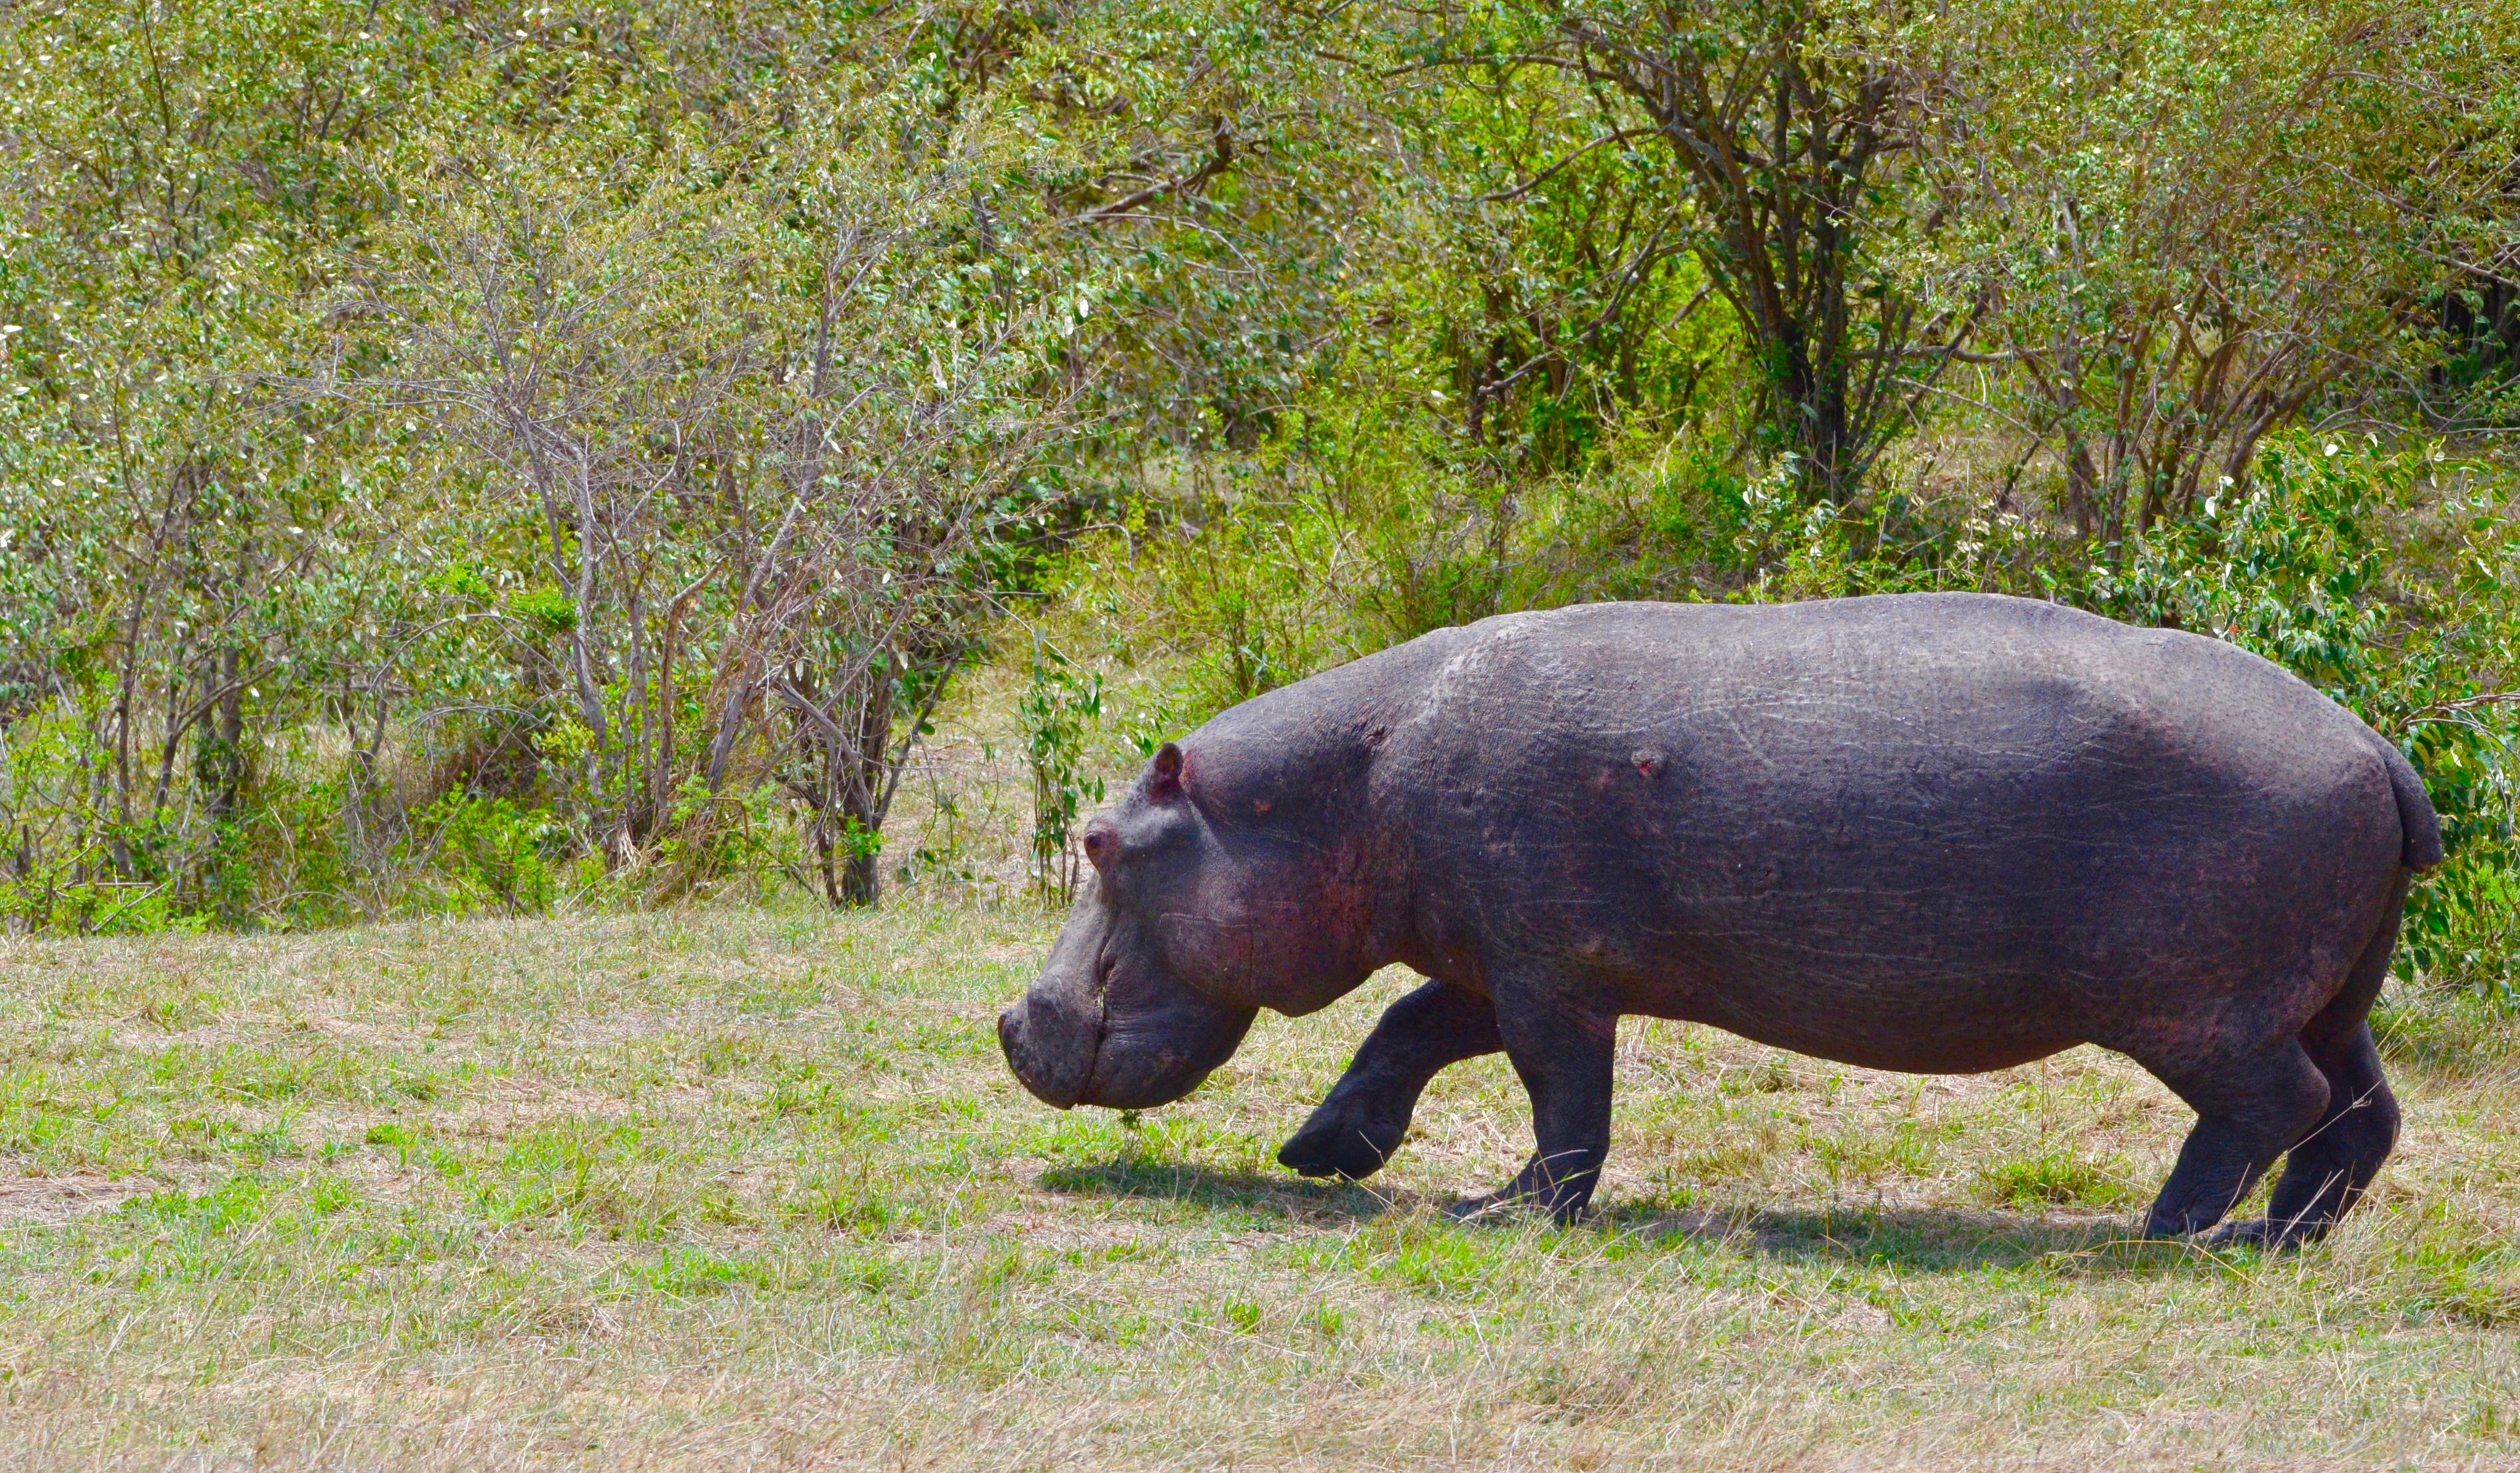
x=2326, y=1171
x=2248, y=1110
x=1360, y=1123
x=2318, y=1097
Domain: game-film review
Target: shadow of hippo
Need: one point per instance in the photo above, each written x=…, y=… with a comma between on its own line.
x=1924, y=1239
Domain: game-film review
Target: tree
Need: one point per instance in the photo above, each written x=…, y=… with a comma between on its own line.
x=2205, y=222
x=768, y=415
x=171, y=172
x=1793, y=126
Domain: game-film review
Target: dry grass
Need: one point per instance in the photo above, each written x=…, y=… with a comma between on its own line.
x=751, y=1189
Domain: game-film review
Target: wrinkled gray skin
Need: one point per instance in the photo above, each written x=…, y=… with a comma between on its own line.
x=1942, y=833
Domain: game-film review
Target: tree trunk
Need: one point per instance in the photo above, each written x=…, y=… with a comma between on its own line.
x=861, y=878
x=862, y=882
x=219, y=757
x=220, y=771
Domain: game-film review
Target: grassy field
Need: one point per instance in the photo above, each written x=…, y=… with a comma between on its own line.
x=751, y=1188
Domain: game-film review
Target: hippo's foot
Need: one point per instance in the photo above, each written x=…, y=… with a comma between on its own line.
x=2272, y=1234
x=1564, y=1196
x=1486, y=1205
x=1510, y=1203
x=1345, y=1138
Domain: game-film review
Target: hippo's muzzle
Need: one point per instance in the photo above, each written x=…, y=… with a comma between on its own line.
x=1049, y=1055
x=1105, y=1026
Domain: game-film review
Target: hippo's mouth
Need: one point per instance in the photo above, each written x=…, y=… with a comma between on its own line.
x=1103, y=962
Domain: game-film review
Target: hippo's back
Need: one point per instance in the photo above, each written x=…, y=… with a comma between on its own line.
x=1920, y=830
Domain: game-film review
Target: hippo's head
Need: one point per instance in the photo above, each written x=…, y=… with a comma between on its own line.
x=1214, y=892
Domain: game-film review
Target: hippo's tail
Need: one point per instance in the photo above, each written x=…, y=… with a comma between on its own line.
x=2415, y=818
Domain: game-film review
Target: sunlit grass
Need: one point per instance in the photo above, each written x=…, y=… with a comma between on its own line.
x=735, y=1188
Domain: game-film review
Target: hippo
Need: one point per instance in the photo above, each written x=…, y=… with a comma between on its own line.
x=1939, y=834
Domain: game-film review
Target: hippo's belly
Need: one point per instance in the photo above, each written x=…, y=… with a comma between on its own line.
x=1956, y=1026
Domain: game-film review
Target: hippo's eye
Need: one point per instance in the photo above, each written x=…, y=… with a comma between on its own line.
x=1099, y=845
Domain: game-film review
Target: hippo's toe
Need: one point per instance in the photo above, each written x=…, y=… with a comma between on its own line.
x=2265, y=1234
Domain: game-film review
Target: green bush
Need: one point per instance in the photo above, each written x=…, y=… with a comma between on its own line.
x=473, y=854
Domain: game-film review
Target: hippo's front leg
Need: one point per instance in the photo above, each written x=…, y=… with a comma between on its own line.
x=1564, y=1050
x=1360, y=1123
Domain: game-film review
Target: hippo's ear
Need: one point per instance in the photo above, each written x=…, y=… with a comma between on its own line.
x=1164, y=777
